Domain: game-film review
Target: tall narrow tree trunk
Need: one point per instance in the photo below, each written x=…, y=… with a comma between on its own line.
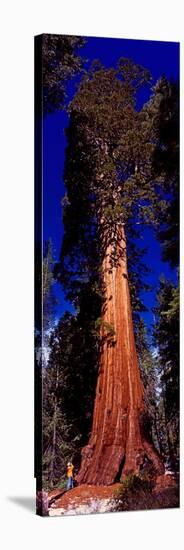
x=54, y=430
x=116, y=443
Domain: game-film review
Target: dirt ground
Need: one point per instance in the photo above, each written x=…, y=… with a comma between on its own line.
x=94, y=499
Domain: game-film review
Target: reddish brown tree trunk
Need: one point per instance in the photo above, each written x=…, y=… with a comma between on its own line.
x=116, y=440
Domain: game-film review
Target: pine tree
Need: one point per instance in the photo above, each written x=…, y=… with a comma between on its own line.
x=150, y=369
x=49, y=300
x=166, y=162
x=68, y=394
x=167, y=339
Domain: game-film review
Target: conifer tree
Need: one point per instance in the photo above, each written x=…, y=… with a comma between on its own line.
x=109, y=182
x=68, y=394
x=166, y=162
x=60, y=62
x=166, y=336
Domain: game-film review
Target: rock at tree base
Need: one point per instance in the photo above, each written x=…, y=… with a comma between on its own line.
x=165, y=481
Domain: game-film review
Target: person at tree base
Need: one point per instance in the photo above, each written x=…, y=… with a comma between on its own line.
x=70, y=469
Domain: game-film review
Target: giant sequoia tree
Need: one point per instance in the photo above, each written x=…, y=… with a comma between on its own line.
x=110, y=184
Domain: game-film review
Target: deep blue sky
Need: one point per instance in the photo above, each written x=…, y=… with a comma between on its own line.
x=160, y=58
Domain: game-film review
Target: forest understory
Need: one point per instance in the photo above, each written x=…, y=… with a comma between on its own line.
x=134, y=493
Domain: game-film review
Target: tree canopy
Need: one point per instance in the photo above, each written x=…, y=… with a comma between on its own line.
x=60, y=63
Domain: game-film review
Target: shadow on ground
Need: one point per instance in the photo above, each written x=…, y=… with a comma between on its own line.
x=27, y=503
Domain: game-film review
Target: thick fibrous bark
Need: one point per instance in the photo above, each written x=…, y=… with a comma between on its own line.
x=117, y=443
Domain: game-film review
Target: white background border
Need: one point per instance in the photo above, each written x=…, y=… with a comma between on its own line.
x=20, y=21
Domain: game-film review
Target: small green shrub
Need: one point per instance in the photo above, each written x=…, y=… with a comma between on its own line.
x=61, y=484
x=135, y=493
x=133, y=483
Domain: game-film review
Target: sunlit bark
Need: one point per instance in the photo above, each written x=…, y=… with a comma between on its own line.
x=117, y=444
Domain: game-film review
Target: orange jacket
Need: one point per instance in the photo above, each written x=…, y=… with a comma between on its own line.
x=70, y=470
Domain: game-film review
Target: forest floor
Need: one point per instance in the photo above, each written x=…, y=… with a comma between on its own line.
x=91, y=499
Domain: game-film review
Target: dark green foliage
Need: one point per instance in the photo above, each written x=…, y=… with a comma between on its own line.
x=166, y=330
x=150, y=379
x=138, y=271
x=166, y=334
x=166, y=163
x=118, y=142
x=136, y=493
x=154, y=417
x=80, y=259
x=49, y=300
x=146, y=360
x=133, y=483
x=107, y=173
x=45, y=303
x=57, y=445
x=69, y=386
x=60, y=63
